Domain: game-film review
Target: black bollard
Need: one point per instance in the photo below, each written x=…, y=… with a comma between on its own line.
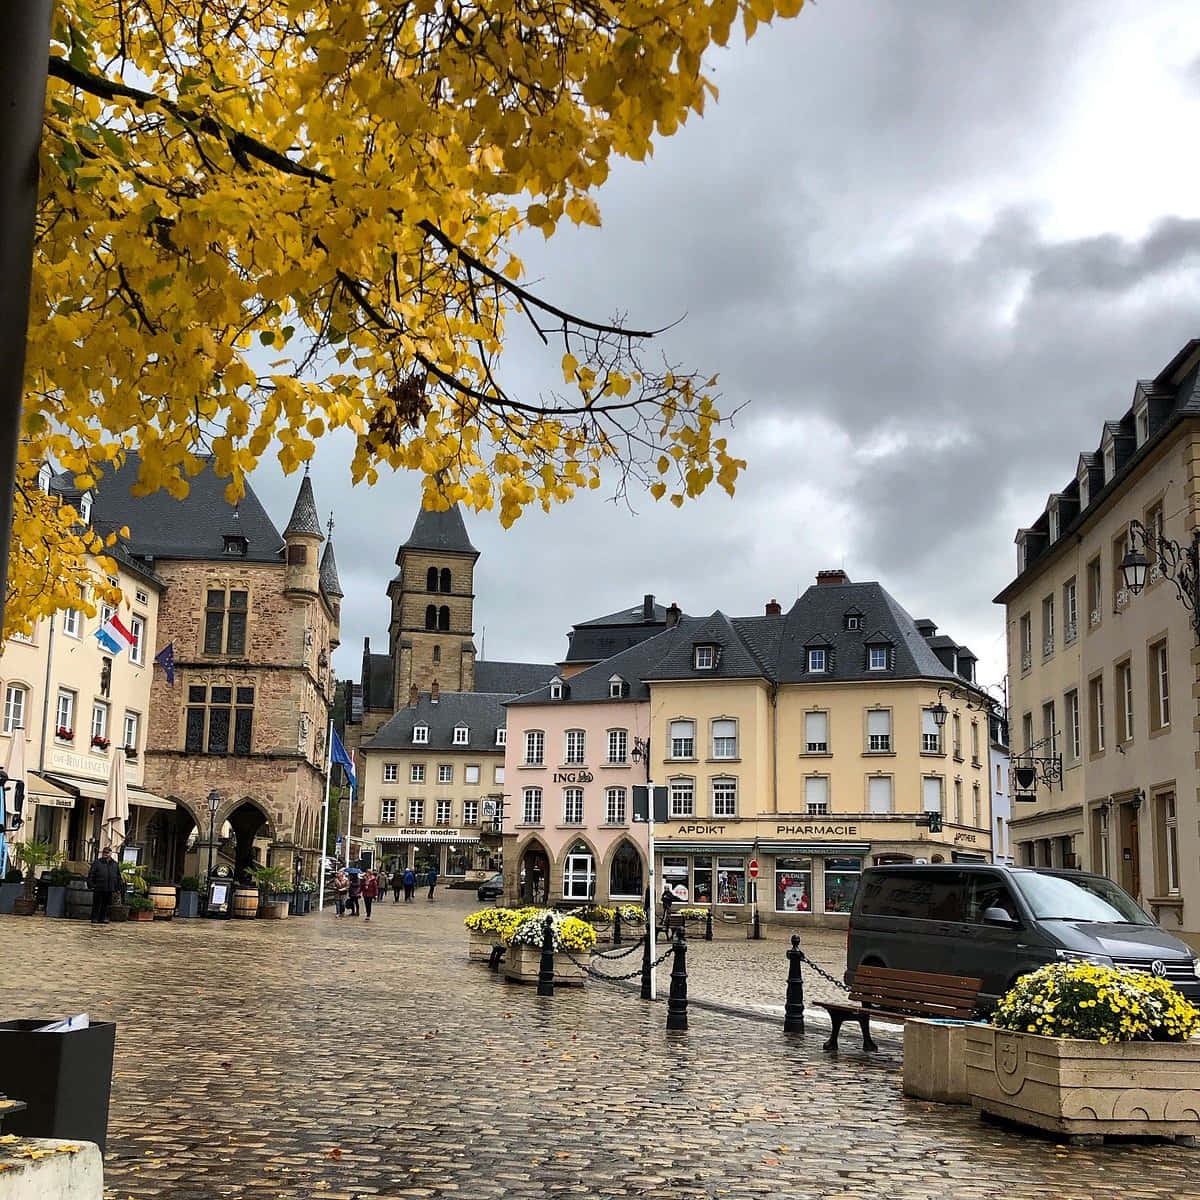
x=646, y=964
x=617, y=927
x=708, y=926
x=757, y=927
x=677, y=1001
x=546, y=966
x=793, y=1009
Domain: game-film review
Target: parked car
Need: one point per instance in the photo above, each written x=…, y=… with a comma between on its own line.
x=489, y=889
x=998, y=923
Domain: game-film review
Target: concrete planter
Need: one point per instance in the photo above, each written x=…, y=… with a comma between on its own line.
x=479, y=946
x=189, y=904
x=56, y=901
x=9, y=893
x=522, y=964
x=934, y=1068
x=1085, y=1089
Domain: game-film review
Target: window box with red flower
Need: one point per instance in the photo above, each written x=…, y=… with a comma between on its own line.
x=99, y=743
x=64, y=734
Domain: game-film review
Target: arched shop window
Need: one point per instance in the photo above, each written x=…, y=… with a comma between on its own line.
x=625, y=874
x=579, y=874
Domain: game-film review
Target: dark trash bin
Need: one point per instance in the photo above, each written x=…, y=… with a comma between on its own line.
x=65, y=1079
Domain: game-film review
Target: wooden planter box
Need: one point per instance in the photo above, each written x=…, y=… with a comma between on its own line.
x=522, y=964
x=1083, y=1088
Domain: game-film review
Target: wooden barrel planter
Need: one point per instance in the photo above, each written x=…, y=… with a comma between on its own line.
x=79, y=901
x=245, y=902
x=162, y=895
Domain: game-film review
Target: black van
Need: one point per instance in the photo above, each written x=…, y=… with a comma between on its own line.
x=998, y=923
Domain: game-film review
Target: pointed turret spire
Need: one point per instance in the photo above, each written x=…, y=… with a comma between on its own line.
x=439, y=531
x=330, y=584
x=304, y=515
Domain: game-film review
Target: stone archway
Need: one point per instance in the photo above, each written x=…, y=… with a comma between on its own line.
x=533, y=873
x=248, y=822
x=624, y=873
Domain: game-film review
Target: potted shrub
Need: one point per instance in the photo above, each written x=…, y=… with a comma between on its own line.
x=135, y=885
x=304, y=894
x=189, y=896
x=1085, y=1050
x=33, y=856
x=572, y=939
x=270, y=881
x=141, y=908
x=11, y=889
x=484, y=929
x=56, y=893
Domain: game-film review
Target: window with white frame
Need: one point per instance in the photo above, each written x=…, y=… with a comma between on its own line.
x=470, y=812
x=557, y=689
x=705, y=657
x=1170, y=842
x=64, y=713
x=1048, y=625
x=421, y=735
x=1025, y=627
x=683, y=739
x=471, y=773
x=579, y=873
x=391, y=772
x=445, y=773
x=816, y=659
x=137, y=629
x=880, y=795
x=724, y=737
x=71, y=622
x=1071, y=704
x=501, y=736
x=931, y=735
x=573, y=806
x=1160, y=687
x=531, y=806
x=462, y=735
x=1124, y=705
x=816, y=794
x=1052, y=514
x=535, y=747
x=132, y=722
x=616, y=688
x=141, y=596
x=574, y=747
x=416, y=812
x=498, y=773
x=614, y=806
x=387, y=812
x=879, y=730
x=443, y=812
x=724, y=797
x=1070, y=612
x=416, y=773
x=976, y=810
x=99, y=720
x=44, y=480
x=816, y=733
x=14, y=708
x=877, y=658
x=618, y=745
x=683, y=797
x=1110, y=461
x=958, y=798
x=931, y=793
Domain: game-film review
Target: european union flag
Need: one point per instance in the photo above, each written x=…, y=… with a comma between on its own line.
x=338, y=755
x=165, y=658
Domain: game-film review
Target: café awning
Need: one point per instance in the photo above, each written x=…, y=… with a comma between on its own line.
x=94, y=789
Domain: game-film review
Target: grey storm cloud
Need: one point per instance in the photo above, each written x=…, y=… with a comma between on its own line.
x=867, y=238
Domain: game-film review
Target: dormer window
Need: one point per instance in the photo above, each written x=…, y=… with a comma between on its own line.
x=817, y=659
x=1052, y=516
x=1110, y=459
x=704, y=658
x=501, y=735
x=462, y=735
x=558, y=689
x=421, y=735
x=85, y=507
x=853, y=623
x=877, y=658
x=852, y=620
x=44, y=480
x=236, y=546
x=1084, y=493
x=1141, y=424
x=617, y=687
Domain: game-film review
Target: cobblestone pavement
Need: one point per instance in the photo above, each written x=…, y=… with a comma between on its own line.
x=324, y=1058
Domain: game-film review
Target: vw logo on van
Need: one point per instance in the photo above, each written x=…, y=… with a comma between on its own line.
x=1159, y=968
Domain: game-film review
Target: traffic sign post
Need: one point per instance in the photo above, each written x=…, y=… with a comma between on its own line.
x=754, y=868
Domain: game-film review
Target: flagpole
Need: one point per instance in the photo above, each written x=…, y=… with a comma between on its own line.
x=349, y=815
x=325, y=821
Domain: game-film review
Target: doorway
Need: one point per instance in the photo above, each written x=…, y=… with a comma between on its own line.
x=1131, y=876
x=534, y=875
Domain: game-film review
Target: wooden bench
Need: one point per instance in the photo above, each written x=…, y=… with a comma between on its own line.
x=906, y=993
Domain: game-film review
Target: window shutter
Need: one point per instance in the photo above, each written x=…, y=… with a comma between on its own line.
x=879, y=720
x=928, y=724
x=931, y=789
x=816, y=789
x=879, y=794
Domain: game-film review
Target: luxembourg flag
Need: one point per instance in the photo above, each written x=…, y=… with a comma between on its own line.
x=113, y=636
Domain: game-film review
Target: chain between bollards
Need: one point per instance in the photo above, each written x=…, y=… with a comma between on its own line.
x=677, y=1001
x=793, y=1009
x=546, y=966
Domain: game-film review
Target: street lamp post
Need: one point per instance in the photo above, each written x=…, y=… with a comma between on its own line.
x=641, y=753
x=1179, y=564
x=214, y=802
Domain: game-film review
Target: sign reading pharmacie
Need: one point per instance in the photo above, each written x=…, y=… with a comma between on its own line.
x=788, y=829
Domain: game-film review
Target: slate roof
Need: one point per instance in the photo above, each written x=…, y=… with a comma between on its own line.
x=330, y=584
x=378, y=692
x=443, y=531
x=511, y=678
x=481, y=712
x=602, y=637
x=304, y=514
x=630, y=616
x=192, y=528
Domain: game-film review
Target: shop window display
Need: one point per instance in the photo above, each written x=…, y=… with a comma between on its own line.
x=793, y=885
x=841, y=883
x=702, y=876
x=731, y=880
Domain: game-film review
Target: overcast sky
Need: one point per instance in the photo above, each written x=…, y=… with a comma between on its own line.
x=934, y=244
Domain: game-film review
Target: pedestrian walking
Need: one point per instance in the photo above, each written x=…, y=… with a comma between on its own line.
x=104, y=879
x=397, y=884
x=431, y=879
x=370, y=890
x=356, y=883
x=341, y=889
x=410, y=884
x=668, y=899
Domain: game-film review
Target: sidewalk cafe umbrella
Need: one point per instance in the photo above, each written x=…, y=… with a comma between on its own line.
x=116, y=805
x=15, y=770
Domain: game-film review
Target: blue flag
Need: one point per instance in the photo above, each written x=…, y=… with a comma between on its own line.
x=338, y=755
x=165, y=658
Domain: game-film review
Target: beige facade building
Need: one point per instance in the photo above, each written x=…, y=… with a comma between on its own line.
x=1104, y=678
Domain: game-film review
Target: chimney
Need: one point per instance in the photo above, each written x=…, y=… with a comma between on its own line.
x=833, y=578
x=673, y=615
x=648, y=607
x=773, y=609
x=413, y=696
x=433, y=693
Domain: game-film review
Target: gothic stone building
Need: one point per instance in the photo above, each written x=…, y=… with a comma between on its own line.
x=254, y=618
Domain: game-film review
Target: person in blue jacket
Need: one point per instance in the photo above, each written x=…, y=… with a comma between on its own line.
x=431, y=879
x=410, y=885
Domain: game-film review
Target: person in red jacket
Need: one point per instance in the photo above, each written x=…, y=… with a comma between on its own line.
x=370, y=890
